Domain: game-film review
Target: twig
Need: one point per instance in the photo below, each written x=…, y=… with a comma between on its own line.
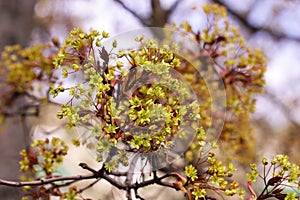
x=54, y=186
x=89, y=186
x=137, y=195
x=25, y=133
x=174, y=6
x=141, y=19
x=44, y=181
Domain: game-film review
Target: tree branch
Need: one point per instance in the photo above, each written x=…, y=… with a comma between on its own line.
x=101, y=174
x=155, y=180
x=253, y=29
x=159, y=16
x=173, y=7
x=141, y=19
x=89, y=186
x=45, y=181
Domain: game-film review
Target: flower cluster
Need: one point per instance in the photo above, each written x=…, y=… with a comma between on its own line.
x=241, y=70
x=44, y=156
x=123, y=92
x=25, y=72
x=215, y=178
x=278, y=175
x=41, y=161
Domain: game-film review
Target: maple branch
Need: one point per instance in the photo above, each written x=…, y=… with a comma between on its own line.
x=44, y=181
x=98, y=175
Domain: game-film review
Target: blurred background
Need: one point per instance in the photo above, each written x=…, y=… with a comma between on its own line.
x=271, y=25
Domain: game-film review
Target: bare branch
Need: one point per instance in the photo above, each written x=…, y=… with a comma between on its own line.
x=98, y=175
x=45, y=181
x=141, y=19
x=89, y=186
x=159, y=16
x=253, y=29
x=86, y=167
x=174, y=7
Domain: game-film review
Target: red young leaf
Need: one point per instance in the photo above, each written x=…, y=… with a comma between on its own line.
x=280, y=196
x=274, y=180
